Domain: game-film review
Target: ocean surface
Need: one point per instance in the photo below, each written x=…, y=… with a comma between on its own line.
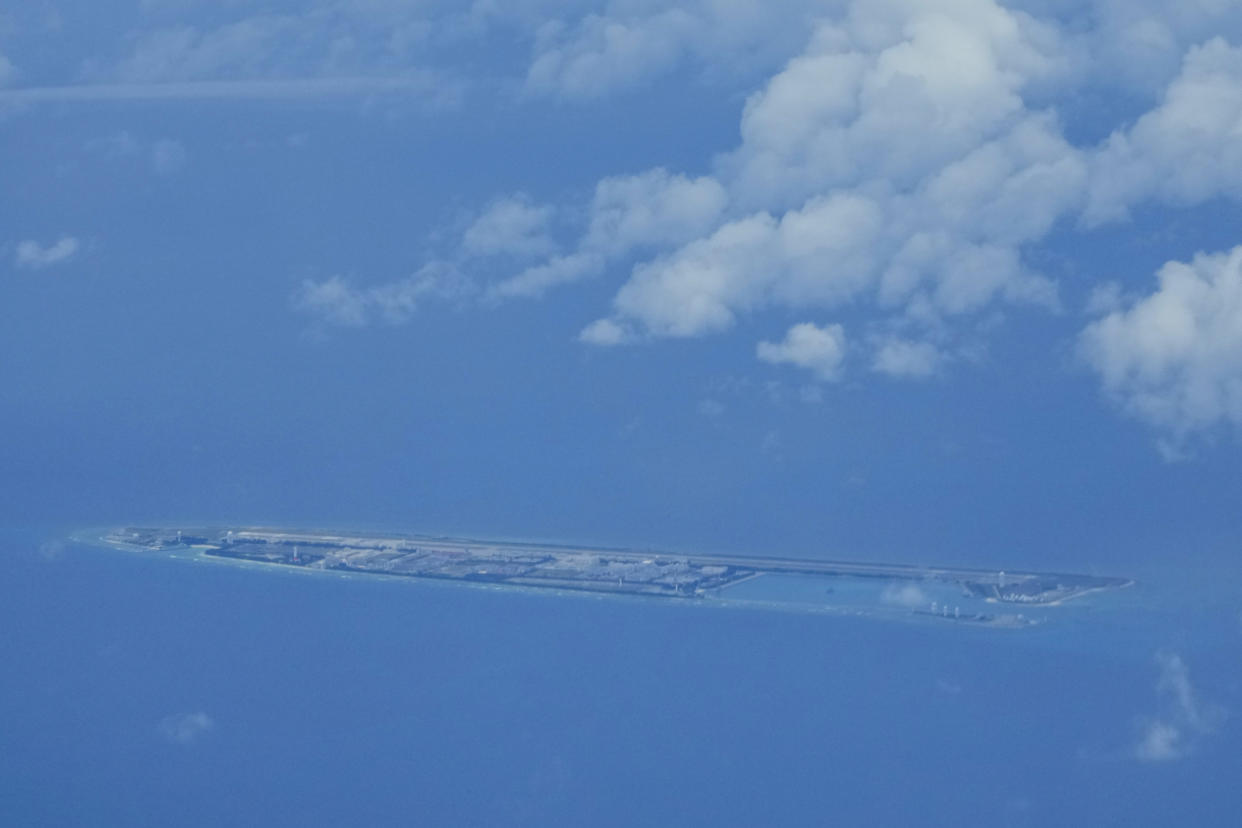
x=146, y=691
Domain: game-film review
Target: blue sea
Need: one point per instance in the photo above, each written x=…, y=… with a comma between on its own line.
x=148, y=691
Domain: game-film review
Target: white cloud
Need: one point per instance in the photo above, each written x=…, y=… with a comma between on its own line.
x=652, y=208
x=395, y=302
x=533, y=281
x=604, y=332
x=895, y=162
x=33, y=256
x=424, y=86
x=626, y=212
x=165, y=156
x=896, y=91
x=903, y=358
x=243, y=48
x=581, y=49
x=902, y=162
x=1159, y=742
x=1104, y=298
x=820, y=255
x=318, y=40
x=605, y=54
x=52, y=550
x=1177, y=730
x=336, y=301
x=819, y=350
x=510, y=226
x=905, y=595
x=1174, y=357
x=186, y=728
x=324, y=49
x=7, y=71
x=626, y=45
x=905, y=128
x=1139, y=44
x=1186, y=150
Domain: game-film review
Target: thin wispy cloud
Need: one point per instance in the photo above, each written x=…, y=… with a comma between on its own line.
x=905, y=595
x=338, y=302
x=1176, y=731
x=421, y=85
x=31, y=255
x=186, y=728
x=164, y=156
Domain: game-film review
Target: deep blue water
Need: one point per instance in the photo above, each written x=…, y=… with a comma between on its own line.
x=139, y=691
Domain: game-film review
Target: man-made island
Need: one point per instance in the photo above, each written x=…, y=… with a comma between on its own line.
x=963, y=595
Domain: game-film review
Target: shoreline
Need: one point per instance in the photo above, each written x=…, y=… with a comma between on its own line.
x=600, y=572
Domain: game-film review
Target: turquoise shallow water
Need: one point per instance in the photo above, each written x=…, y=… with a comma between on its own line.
x=142, y=691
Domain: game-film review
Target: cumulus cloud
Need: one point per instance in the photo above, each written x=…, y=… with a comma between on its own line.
x=1139, y=44
x=1184, y=151
x=902, y=160
x=820, y=255
x=626, y=212
x=1184, y=721
x=903, y=358
x=894, y=160
x=510, y=226
x=819, y=350
x=652, y=208
x=186, y=728
x=1174, y=357
x=897, y=90
x=626, y=45
x=605, y=54
x=32, y=255
x=906, y=159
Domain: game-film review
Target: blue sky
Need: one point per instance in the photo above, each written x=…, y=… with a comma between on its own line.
x=950, y=280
